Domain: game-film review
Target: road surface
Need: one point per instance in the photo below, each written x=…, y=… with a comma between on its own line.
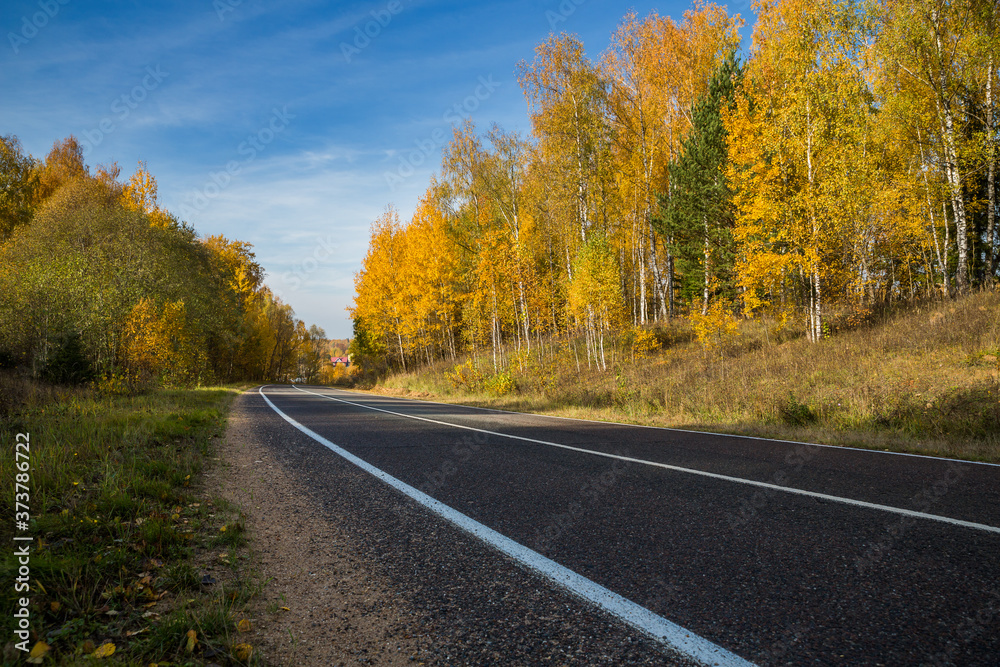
x=526, y=536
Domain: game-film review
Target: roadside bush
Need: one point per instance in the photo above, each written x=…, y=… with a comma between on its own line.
x=69, y=364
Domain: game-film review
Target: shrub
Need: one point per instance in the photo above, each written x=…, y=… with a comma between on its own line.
x=69, y=364
x=795, y=413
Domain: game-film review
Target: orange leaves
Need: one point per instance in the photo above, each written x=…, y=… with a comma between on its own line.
x=63, y=165
x=140, y=193
x=159, y=343
x=406, y=290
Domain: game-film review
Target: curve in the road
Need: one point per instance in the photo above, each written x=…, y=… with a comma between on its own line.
x=739, y=480
x=637, y=616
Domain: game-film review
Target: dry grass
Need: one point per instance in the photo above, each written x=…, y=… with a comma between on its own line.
x=926, y=379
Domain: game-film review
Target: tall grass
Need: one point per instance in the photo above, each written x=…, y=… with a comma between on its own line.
x=115, y=517
x=921, y=379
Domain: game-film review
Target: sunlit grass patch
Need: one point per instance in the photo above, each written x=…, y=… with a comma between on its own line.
x=116, y=520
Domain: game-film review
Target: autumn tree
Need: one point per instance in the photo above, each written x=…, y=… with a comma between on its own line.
x=139, y=193
x=567, y=97
x=18, y=186
x=657, y=69
x=103, y=272
x=799, y=134
x=697, y=217
x=595, y=296
x=379, y=301
x=63, y=165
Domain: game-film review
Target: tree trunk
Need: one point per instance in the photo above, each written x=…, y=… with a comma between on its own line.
x=947, y=121
x=942, y=261
x=815, y=293
x=957, y=204
x=643, y=317
x=991, y=247
x=704, y=296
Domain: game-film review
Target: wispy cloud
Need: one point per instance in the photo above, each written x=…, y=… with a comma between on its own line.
x=323, y=176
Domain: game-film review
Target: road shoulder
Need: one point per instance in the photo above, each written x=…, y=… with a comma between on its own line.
x=319, y=604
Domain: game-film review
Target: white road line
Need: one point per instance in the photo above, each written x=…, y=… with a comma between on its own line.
x=719, y=434
x=631, y=613
x=703, y=473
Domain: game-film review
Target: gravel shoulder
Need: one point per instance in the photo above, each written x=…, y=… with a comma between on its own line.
x=320, y=603
x=369, y=577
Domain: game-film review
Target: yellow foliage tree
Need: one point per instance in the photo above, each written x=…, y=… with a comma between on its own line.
x=159, y=346
x=595, y=296
x=139, y=193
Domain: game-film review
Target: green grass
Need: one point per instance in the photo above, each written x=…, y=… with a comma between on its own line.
x=923, y=379
x=118, y=521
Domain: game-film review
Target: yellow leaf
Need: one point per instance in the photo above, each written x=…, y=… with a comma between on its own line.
x=55, y=605
x=38, y=652
x=222, y=530
x=285, y=609
x=243, y=625
x=242, y=652
x=104, y=650
x=192, y=640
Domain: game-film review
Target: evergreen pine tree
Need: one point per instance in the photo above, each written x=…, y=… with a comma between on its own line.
x=696, y=217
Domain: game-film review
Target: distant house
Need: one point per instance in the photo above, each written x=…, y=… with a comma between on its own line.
x=341, y=360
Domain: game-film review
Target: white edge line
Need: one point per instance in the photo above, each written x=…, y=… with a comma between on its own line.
x=843, y=448
x=635, y=615
x=667, y=466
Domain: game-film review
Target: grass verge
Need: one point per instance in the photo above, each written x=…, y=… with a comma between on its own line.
x=120, y=529
x=925, y=379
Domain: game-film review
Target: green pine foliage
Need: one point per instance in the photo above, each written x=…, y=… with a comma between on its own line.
x=696, y=215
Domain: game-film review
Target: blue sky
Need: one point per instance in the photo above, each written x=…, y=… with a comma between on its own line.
x=281, y=123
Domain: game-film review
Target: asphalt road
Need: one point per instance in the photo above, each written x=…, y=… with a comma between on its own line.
x=764, y=551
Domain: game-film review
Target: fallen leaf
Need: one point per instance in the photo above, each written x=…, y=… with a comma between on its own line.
x=104, y=650
x=38, y=652
x=243, y=625
x=285, y=609
x=242, y=652
x=192, y=640
x=55, y=605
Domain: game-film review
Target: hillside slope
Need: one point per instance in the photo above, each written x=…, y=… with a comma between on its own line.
x=925, y=379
